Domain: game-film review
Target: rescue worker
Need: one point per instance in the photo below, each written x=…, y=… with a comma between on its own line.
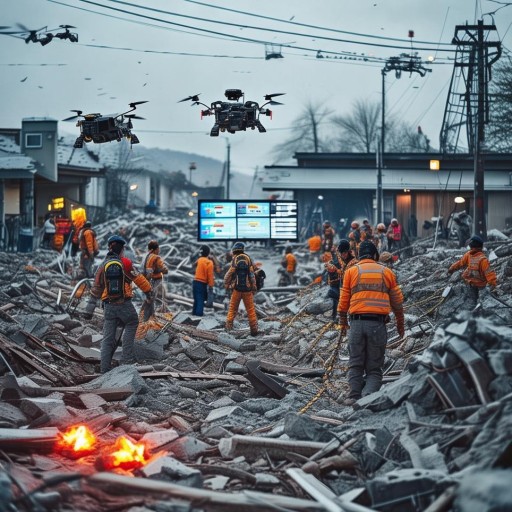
x=368, y=294
x=88, y=248
x=315, y=245
x=203, y=279
x=342, y=258
x=394, y=236
x=386, y=258
x=355, y=237
x=478, y=272
x=153, y=269
x=49, y=229
x=463, y=222
x=380, y=238
x=289, y=263
x=366, y=230
x=116, y=297
x=240, y=279
x=327, y=236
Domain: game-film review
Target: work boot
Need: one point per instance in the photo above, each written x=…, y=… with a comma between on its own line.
x=229, y=326
x=254, y=333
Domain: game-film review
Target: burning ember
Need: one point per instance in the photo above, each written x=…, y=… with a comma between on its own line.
x=77, y=441
x=125, y=455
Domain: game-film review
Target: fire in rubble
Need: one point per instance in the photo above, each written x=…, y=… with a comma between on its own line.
x=76, y=441
x=125, y=455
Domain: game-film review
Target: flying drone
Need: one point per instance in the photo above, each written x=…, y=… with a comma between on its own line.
x=43, y=35
x=234, y=115
x=98, y=128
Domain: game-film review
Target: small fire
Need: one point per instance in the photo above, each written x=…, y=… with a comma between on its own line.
x=126, y=455
x=77, y=440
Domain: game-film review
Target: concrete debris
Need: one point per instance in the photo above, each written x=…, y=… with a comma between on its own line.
x=230, y=420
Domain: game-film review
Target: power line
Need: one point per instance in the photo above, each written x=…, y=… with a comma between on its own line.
x=225, y=23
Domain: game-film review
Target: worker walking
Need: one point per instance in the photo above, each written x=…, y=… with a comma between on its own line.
x=289, y=263
x=113, y=286
x=89, y=249
x=394, y=236
x=342, y=258
x=203, y=279
x=478, y=272
x=240, y=279
x=153, y=269
x=368, y=294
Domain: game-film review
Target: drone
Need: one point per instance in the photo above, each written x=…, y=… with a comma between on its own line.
x=99, y=128
x=36, y=36
x=234, y=115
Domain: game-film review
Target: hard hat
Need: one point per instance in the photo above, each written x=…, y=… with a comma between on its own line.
x=354, y=224
x=385, y=256
x=327, y=223
x=381, y=226
x=476, y=241
x=116, y=239
x=394, y=221
x=344, y=245
x=87, y=224
x=238, y=246
x=367, y=249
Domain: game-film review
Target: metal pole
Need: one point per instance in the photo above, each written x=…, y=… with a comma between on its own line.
x=379, y=212
x=228, y=168
x=380, y=151
x=479, y=196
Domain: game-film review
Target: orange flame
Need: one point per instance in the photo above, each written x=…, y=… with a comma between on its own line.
x=77, y=439
x=126, y=455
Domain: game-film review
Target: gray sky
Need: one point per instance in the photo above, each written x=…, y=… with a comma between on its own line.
x=83, y=76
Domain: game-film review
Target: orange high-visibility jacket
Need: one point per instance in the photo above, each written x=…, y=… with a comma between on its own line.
x=315, y=243
x=291, y=262
x=370, y=288
x=88, y=242
x=131, y=275
x=204, y=271
x=478, y=270
x=154, y=266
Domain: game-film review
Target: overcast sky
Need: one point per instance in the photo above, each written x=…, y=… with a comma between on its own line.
x=154, y=54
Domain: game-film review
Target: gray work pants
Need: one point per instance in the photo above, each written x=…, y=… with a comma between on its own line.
x=366, y=346
x=115, y=315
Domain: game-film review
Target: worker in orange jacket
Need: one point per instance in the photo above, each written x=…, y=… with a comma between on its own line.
x=240, y=279
x=153, y=269
x=315, y=246
x=328, y=235
x=478, y=272
x=368, y=294
x=289, y=263
x=203, y=279
x=89, y=249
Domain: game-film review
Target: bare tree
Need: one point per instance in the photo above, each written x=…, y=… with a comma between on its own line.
x=359, y=129
x=307, y=132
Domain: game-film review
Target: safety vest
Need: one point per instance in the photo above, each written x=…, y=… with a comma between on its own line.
x=369, y=292
x=473, y=273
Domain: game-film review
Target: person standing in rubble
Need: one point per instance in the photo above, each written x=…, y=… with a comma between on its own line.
x=328, y=234
x=394, y=236
x=88, y=245
x=368, y=294
x=240, y=279
x=366, y=230
x=154, y=269
x=380, y=238
x=315, y=246
x=49, y=229
x=203, y=278
x=342, y=258
x=289, y=263
x=113, y=286
x=478, y=273
x=463, y=222
x=355, y=237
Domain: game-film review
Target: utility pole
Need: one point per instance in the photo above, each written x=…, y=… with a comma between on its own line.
x=473, y=45
x=228, y=168
x=405, y=62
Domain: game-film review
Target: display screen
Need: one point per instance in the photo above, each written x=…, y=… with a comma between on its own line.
x=247, y=220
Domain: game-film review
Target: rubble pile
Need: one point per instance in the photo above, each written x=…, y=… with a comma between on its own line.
x=216, y=420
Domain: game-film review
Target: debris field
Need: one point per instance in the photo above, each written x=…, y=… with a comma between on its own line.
x=210, y=420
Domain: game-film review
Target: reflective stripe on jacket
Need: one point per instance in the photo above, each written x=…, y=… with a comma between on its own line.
x=369, y=287
x=477, y=271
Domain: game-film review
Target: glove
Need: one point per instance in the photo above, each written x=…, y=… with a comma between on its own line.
x=400, y=323
x=343, y=323
x=89, y=308
x=149, y=297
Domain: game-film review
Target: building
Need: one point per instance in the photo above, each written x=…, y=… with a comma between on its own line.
x=338, y=186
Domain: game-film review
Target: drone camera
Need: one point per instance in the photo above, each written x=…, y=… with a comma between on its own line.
x=233, y=94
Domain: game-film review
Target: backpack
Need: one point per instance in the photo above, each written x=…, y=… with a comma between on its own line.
x=114, y=279
x=242, y=264
x=260, y=276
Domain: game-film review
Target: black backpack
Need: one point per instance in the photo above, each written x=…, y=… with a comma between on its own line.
x=242, y=264
x=260, y=276
x=114, y=279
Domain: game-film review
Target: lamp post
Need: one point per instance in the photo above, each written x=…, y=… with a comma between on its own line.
x=411, y=63
x=191, y=167
x=228, y=168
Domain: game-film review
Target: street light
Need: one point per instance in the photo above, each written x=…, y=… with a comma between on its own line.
x=405, y=62
x=192, y=167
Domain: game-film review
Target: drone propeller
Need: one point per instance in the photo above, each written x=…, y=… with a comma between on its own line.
x=195, y=98
x=274, y=103
x=66, y=26
x=134, y=116
x=23, y=30
x=78, y=114
x=135, y=103
x=268, y=97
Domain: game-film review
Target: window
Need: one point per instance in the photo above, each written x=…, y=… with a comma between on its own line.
x=33, y=140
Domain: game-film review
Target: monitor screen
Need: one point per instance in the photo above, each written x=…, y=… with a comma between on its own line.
x=247, y=220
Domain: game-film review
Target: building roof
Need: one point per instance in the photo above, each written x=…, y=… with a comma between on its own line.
x=68, y=156
x=12, y=163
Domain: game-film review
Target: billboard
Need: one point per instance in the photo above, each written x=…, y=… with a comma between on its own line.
x=247, y=220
